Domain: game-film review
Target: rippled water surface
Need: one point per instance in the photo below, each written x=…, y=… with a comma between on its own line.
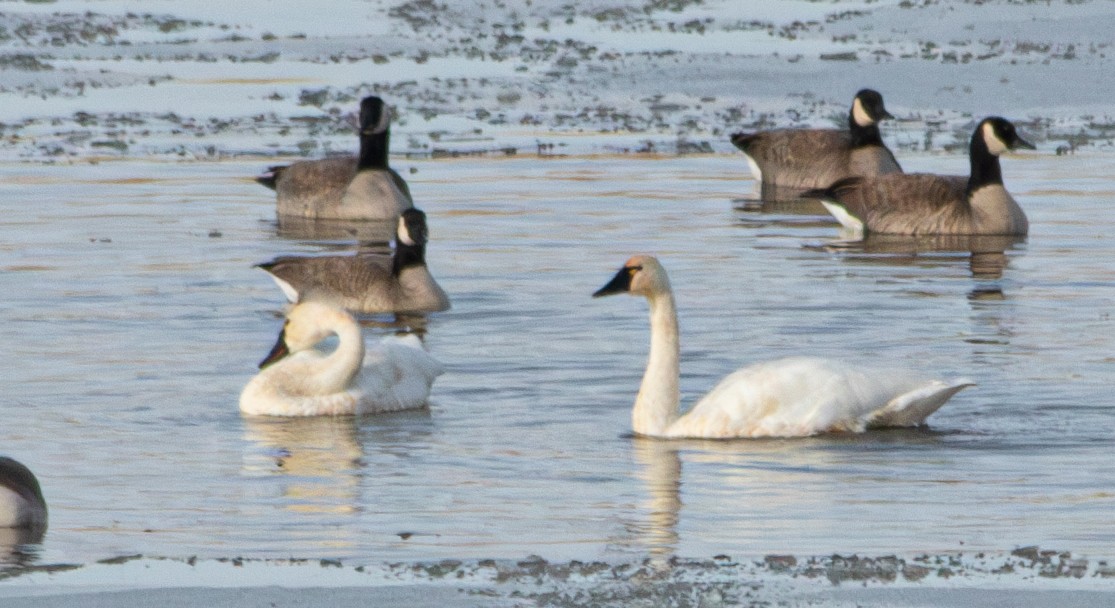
x=132, y=319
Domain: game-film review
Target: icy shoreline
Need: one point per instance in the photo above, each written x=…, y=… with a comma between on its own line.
x=84, y=79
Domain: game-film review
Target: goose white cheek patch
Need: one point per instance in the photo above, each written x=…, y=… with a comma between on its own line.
x=994, y=144
x=404, y=234
x=860, y=115
x=384, y=120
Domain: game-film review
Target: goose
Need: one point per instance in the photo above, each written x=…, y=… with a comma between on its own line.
x=297, y=380
x=814, y=158
x=367, y=283
x=925, y=204
x=791, y=397
x=21, y=499
x=345, y=188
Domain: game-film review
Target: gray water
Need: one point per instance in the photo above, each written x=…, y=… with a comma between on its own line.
x=132, y=319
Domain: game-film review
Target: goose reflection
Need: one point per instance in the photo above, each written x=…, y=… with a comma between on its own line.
x=318, y=457
x=987, y=255
x=372, y=234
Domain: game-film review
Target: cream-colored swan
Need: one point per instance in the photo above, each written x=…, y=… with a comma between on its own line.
x=297, y=380
x=791, y=397
x=21, y=500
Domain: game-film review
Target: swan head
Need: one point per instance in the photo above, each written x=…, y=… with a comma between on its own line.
x=306, y=324
x=868, y=108
x=642, y=275
x=999, y=135
x=375, y=115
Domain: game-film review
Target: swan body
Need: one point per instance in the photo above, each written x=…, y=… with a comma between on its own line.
x=813, y=158
x=925, y=204
x=345, y=188
x=367, y=283
x=21, y=499
x=297, y=380
x=791, y=397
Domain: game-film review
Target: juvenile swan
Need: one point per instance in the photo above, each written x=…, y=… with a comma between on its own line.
x=297, y=380
x=924, y=203
x=345, y=188
x=21, y=500
x=813, y=158
x=793, y=397
x=367, y=283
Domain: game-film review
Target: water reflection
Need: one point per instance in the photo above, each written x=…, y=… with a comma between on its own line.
x=986, y=255
x=372, y=233
x=660, y=473
x=20, y=546
x=319, y=457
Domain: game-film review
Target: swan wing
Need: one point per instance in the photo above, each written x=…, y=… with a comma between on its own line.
x=804, y=396
x=397, y=375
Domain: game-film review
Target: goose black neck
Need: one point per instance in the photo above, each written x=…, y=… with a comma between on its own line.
x=985, y=165
x=864, y=136
x=373, y=150
x=407, y=256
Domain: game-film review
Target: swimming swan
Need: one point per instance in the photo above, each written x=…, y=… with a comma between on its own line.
x=345, y=188
x=792, y=397
x=297, y=380
x=814, y=158
x=21, y=500
x=367, y=283
x=924, y=203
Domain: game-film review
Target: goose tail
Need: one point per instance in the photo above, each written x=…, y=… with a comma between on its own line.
x=271, y=177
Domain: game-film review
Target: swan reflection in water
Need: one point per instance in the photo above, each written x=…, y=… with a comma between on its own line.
x=318, y=458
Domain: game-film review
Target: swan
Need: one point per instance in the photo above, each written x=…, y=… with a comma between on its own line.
x=924, y=203
x=814, y=158
x=367, y=283
x=21, y=499
x=792, y=397
x=345, y=188
x=297, y=380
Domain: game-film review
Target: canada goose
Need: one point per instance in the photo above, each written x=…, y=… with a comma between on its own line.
x=21, y=500
x=792, y=397
x=813, y=158
x=345, y=188
x=297, y=380
x=923, y=203
x=367, y=283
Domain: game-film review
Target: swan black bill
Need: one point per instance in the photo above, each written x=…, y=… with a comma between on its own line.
x=621, y=283
x=278, y=351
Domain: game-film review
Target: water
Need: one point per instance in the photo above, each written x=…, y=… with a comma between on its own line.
x=132, y=319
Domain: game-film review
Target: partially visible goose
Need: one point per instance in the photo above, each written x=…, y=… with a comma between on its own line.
x=813, y=158
x=345, y=188
x=923, y=203
x=367, y=283
x=297, y=380
x=792, y=397
x=21, y=500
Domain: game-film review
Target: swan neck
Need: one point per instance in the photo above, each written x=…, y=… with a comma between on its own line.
x=656, y=406
x=344, y=363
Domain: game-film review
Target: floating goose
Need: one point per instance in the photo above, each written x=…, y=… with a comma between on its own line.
x=21, y=500
x=792, y=397
x=925, y=203
x=367, y=283
x=297, y=380
x=814, y=158
x=345, y=188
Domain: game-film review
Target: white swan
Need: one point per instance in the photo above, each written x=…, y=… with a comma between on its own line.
x=297, y=380
x=793, y=397
x=21, y=500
